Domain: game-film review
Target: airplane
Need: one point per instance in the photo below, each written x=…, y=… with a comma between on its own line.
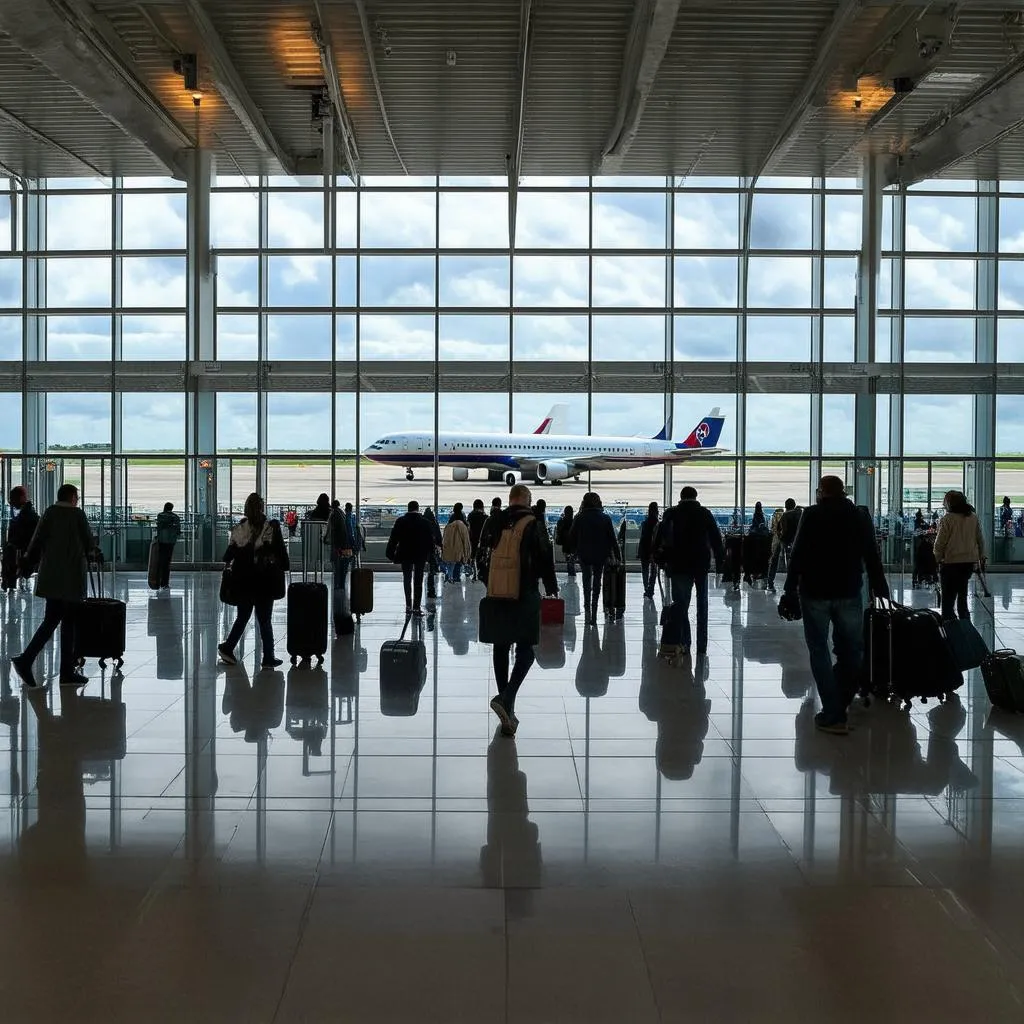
x=542, y=457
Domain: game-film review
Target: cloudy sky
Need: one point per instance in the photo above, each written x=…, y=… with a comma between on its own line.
x=398, y=290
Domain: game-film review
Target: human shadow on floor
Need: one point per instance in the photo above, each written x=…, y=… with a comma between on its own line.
x=165, y=622
x=511, y=859
x=307, y=710
x=882, y=755
x=253, y=709
x=454, y=619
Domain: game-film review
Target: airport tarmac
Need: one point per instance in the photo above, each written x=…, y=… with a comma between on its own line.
x=149, y=485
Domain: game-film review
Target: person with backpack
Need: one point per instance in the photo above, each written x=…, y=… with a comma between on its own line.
x=592, y=539
x=341, y=543
x=456, y=549
x=476, y=521
x=411, y=545
x=784, y=529
x=645, y=550
x=520, y=558
x=168, y=530
x=685, y=543
x=563, y=531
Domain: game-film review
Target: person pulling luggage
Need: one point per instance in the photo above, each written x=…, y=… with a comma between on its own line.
x=523, y=566
x=645, y=550
x=592, y=538
x=783, y=534
x=834, y=546
x=410, y=545
x=475, y=522
x=563, y=532
x=959, y=549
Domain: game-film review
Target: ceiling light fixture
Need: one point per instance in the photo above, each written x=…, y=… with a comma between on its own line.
x=857, y=101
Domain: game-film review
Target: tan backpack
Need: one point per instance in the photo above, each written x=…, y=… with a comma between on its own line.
x=504, y=572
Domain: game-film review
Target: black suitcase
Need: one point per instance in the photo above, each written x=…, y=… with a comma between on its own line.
x=100, y=624
x=361, y=584
x=9, y=567
x=306, y=635
x=757, y=555
x=403, y=673
x=1003, y=673
x=153, y=569
x=732, y=566
x=613, y=589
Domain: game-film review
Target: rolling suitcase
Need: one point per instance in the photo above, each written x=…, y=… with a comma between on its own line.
x=361, y=590
x=614, y=591
x=1003, y=673
x=732, y=567
x=153, y=576
x=100, y=623
x=403, y=672
x=552, y=611
x=306, y=636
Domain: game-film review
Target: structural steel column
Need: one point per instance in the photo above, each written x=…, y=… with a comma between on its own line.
x=201, y=407
x=981, y=472
x=33, y=240
x=816, y=441
x=262, y=436
x=897, y=354
x=864, y=345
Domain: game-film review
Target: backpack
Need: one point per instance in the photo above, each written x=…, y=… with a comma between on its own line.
x=504, y=575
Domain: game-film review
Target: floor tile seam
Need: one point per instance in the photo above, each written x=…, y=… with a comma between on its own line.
x=648, y=970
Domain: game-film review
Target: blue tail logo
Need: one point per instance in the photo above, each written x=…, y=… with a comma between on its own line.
x=704, y=435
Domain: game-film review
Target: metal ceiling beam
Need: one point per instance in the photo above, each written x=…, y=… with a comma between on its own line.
x=70, y=49
x=646, y=43
x=364, y=24
x=45, y=140
x=801, y=110
x=329, y=66
x=514, y=158
x=991, y=112
x=232, y=87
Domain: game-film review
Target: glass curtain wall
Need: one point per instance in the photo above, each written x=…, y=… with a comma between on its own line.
x=402, y=308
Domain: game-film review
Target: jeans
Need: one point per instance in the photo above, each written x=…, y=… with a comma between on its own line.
x=453, y=571
x=592, y=577
x=508, y=685
x=836, y=686
x=57, y=613
x=164, y=553
x=412, y=581
x=954, y=580
x=773, y=566
x=264, y=608
x=342, y=565
x=682, y=584
x=649, y=574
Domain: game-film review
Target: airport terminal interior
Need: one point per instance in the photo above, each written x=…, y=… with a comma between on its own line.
x=396, y=250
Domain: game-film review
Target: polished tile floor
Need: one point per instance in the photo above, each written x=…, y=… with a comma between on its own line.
x=193, y=843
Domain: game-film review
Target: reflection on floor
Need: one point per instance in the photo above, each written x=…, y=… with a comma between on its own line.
x=194, y=843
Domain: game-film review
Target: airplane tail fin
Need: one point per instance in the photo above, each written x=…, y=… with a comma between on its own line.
x=706, y=433
x=555, y=418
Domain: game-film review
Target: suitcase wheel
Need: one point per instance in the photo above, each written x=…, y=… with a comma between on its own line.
x=294, y=660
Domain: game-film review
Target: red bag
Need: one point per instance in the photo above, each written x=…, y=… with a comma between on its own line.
x=552, y=611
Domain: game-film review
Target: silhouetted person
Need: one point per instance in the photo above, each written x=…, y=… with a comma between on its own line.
x=411, y=546
x=168, y=530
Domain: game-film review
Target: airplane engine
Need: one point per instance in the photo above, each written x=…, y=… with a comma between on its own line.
x=460, y=474
x=553, y=471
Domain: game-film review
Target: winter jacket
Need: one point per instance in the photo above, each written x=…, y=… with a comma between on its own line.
x=644, y=546
x=790, y=524
x=592, y=537
x=411, y=540
x=834, y=546
x=563, y=530
x=22, y=527
x=695, y=538
x=61, y=542
x=339, y=533
x=168, y=528
x=959, y=540
x=455, y=546
x=258, y=558
x=476, y=518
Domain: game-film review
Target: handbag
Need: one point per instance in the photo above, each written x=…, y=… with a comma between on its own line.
x=227, y=587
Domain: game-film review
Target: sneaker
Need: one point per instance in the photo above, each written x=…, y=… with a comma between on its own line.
x=836, y=727
x=507, y=728
x=271, y=662
x=74, y=679
x=226, y=656
x=24, y=670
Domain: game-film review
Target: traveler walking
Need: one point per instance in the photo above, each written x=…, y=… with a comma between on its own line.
x=645, y=550
x=411, y=545
x=783, y=534
x=563, y=530
x=476, y=521
x=61, y=543
x=529, y=561
x=834, y=546
x=20, y=530
x=456, y=549
x=342, y=544
x=355, y=530
x=592, y=539
x=685, y=543
x=256, y=561
x=168, y=530
x=959, y=550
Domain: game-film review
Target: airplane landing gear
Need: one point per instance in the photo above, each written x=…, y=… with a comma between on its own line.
x=409, y=474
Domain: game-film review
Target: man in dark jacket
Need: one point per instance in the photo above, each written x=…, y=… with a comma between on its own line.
x=834, y=546
x=592, y=539
x=782, y=542
x=536, y=564
x=686, y=541
x=61, y=542
x=475, y=521
x=168, y=530
x=410, y=545
x=20, y=531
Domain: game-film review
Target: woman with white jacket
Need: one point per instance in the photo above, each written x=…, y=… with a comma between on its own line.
x=456, y=549
x=959, y=549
